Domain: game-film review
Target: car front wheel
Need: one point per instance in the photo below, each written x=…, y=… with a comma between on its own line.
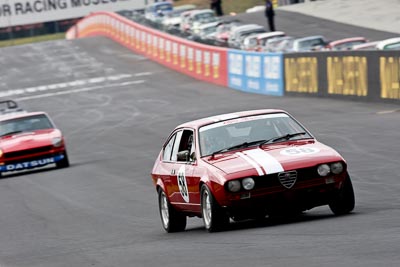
x=343, y=201
x=172, y=220
x=214, y=217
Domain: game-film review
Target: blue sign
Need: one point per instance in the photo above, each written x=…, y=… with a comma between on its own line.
x=254, y=72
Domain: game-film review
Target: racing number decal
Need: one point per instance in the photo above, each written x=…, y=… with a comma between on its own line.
x=183, y=188
x=300, y=151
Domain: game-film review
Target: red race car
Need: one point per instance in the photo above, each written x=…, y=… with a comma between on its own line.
x=29, y=140
x=246, y=165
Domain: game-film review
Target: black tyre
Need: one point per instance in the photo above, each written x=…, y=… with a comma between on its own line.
x=214, y=217
x=344, y=201
x=64, y=163
x=172, y=220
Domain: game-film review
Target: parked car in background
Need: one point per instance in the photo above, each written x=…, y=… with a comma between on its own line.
x=223, y=32
x=345, y=44
x=250, y=42
x=206, y=33
x=310, y=43
x=366, y=46
x=173, y=19
x=263, y=38
x=156, y=11
x=281, y=44
x=277, y=44
x=389, y=44
x=246, y=165
x=238, y=34
x=198, y=17
x=184, y=24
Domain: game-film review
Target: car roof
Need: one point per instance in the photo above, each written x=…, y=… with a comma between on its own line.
x=161, y=4
x=309, y=38
x=201, y=11
x=210, y=24
x=383, y=43
x=270, y=34
x=223, y=117
x=371, y=45
x=186, y=7
x=247, y=27
x=347, y=40
x=18, y=115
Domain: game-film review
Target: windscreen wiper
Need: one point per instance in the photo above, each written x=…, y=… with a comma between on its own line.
x=283, y=137
x=10, y=133
x=241, y=145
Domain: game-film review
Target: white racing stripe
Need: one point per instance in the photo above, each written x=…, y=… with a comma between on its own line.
x=252, y=162
x=265, y=160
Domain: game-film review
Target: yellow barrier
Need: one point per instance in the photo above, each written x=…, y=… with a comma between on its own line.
x=301, y=75
x=347, y=75
x=390, y=77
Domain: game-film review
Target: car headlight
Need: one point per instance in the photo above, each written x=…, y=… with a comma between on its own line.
x=57, y=141
x=1, y=153
x=248, y=183
x=336, y=167
x=234, y=186
x=323, y=170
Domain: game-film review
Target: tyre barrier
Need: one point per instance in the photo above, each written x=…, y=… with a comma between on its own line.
x=372, y=76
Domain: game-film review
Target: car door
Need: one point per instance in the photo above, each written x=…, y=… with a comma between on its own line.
x=184, y=167
x=166, y=167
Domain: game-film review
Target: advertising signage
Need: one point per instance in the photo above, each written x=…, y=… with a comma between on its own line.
x=23, y=12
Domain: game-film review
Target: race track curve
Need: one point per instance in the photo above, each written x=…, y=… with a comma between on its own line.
x=115, y=109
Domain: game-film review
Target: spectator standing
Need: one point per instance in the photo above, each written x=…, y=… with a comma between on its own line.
x=216, y=6
x=269, y=13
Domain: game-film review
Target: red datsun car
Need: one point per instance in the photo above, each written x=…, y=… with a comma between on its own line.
x=29, y=140
x=246, y=165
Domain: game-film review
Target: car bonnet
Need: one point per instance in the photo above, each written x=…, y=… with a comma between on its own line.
x=275, y=158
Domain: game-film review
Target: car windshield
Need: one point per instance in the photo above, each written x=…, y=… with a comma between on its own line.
x=25, y=124
x=347, y=45
x=248, y=131
x=164, y=7
x=310, y=43
x=204, y=16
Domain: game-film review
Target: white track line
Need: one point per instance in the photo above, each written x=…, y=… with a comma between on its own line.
x=74, y=91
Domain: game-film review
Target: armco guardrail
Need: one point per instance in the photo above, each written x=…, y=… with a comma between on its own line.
x=203, y=62
x=356, y=75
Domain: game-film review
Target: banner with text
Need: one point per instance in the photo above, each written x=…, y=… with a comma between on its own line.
x=255, y=72
x=22, y=12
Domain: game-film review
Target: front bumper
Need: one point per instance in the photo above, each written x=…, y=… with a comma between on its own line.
x=32, y=161
x=302, y=196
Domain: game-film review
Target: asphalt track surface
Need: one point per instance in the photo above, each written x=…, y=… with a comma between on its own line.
x=116, y=109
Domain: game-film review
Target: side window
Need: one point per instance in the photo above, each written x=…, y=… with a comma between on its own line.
x=181, y=141
x=186, y=143
x=168, y=148
x=177, y=142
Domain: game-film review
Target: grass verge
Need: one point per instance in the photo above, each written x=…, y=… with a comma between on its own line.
x=228, y=6
x=34, y=39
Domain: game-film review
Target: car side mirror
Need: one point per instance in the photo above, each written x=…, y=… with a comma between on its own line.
x=183, y=155
x=193, y=156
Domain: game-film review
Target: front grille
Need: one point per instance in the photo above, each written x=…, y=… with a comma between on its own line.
x=272, y=180
x=287, y=179
x=27, y=152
